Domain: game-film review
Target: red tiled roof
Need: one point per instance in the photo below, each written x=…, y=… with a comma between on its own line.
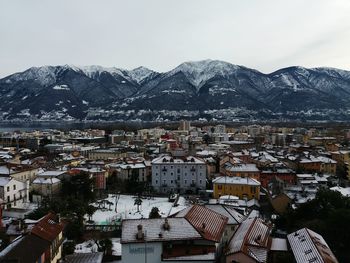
x=208, y=223
x=47, y=228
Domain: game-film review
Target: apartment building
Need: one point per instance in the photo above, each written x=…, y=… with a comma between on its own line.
x=187, y=174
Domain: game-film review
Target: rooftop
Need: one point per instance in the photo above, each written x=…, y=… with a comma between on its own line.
x=308, y=246
x=251, y=238
x=236, y=180
x=180, y=229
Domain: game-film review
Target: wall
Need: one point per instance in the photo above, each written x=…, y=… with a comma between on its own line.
x=237, y=190
x=135, y=252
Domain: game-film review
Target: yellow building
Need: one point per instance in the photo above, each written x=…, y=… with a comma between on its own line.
x=241, y=187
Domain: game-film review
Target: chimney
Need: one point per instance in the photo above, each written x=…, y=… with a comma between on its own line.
x=139, y=232
x=166, y=225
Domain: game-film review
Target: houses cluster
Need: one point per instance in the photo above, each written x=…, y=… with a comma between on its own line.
x=207, y=233
x=231, y=172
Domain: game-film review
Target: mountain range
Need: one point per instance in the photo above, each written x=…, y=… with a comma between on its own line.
x=202, y=90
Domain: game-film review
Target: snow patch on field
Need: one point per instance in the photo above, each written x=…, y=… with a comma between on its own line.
x=127, y=210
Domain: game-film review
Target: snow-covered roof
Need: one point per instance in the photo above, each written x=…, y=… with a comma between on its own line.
x=230, y=212
x=180, y=229
x=132, y=166
x=169, y=159
x=206, y=153
x=279, y=244
x=319, y=159
x=236, y=180
x=46, y=181
x=197, y=258
x=4, y=180
x=308, y=246
x=249, y=167
x=51, y=173
x=251, y=238
x=5, y=170
x=345, y=191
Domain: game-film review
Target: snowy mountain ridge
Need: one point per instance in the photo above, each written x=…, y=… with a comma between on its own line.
x=200, y=89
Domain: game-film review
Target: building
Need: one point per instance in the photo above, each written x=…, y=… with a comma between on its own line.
x=185, y=125
x=180, y=175
x=42, y=244
x=140, y=170
x=46, y=186
x=241, y=170
x=99, y=175
x=288, y=176
x=237, y=186
x=343, y=159
x=318, y=164
x=234, y=218
x=109, y=153
x=13, y=193
x=193, y=236
x=19, y=172
x=250, y=243
x=308, y=246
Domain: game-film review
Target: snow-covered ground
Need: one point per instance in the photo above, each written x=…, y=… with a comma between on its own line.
x=127, y=210
x=90, y=246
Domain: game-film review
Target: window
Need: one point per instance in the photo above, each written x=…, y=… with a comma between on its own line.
x=200, y=181
x=156, y=181
x=8, y=189
x=185, y=181
x=219, y=186
x=171, y=181
x=14, y=187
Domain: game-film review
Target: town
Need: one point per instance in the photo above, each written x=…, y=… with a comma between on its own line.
x=192, y=193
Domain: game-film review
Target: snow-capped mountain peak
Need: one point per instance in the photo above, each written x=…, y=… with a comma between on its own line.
x=91, y=70
x=44, y=75
x=199, y=72
x=140, y=73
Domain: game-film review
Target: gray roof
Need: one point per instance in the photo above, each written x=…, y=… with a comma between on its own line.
x=84, y=258
x=153, y=230
x=234, y=217
x=236, y=180
x=308, y=246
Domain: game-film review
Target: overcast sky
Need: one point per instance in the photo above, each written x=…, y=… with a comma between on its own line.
x=160, y=34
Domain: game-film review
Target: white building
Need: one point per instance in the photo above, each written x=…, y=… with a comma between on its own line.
x=14, y=193
x=195, y=235
x=178, y=175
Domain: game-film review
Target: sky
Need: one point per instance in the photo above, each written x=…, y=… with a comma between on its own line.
x=160, y=34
